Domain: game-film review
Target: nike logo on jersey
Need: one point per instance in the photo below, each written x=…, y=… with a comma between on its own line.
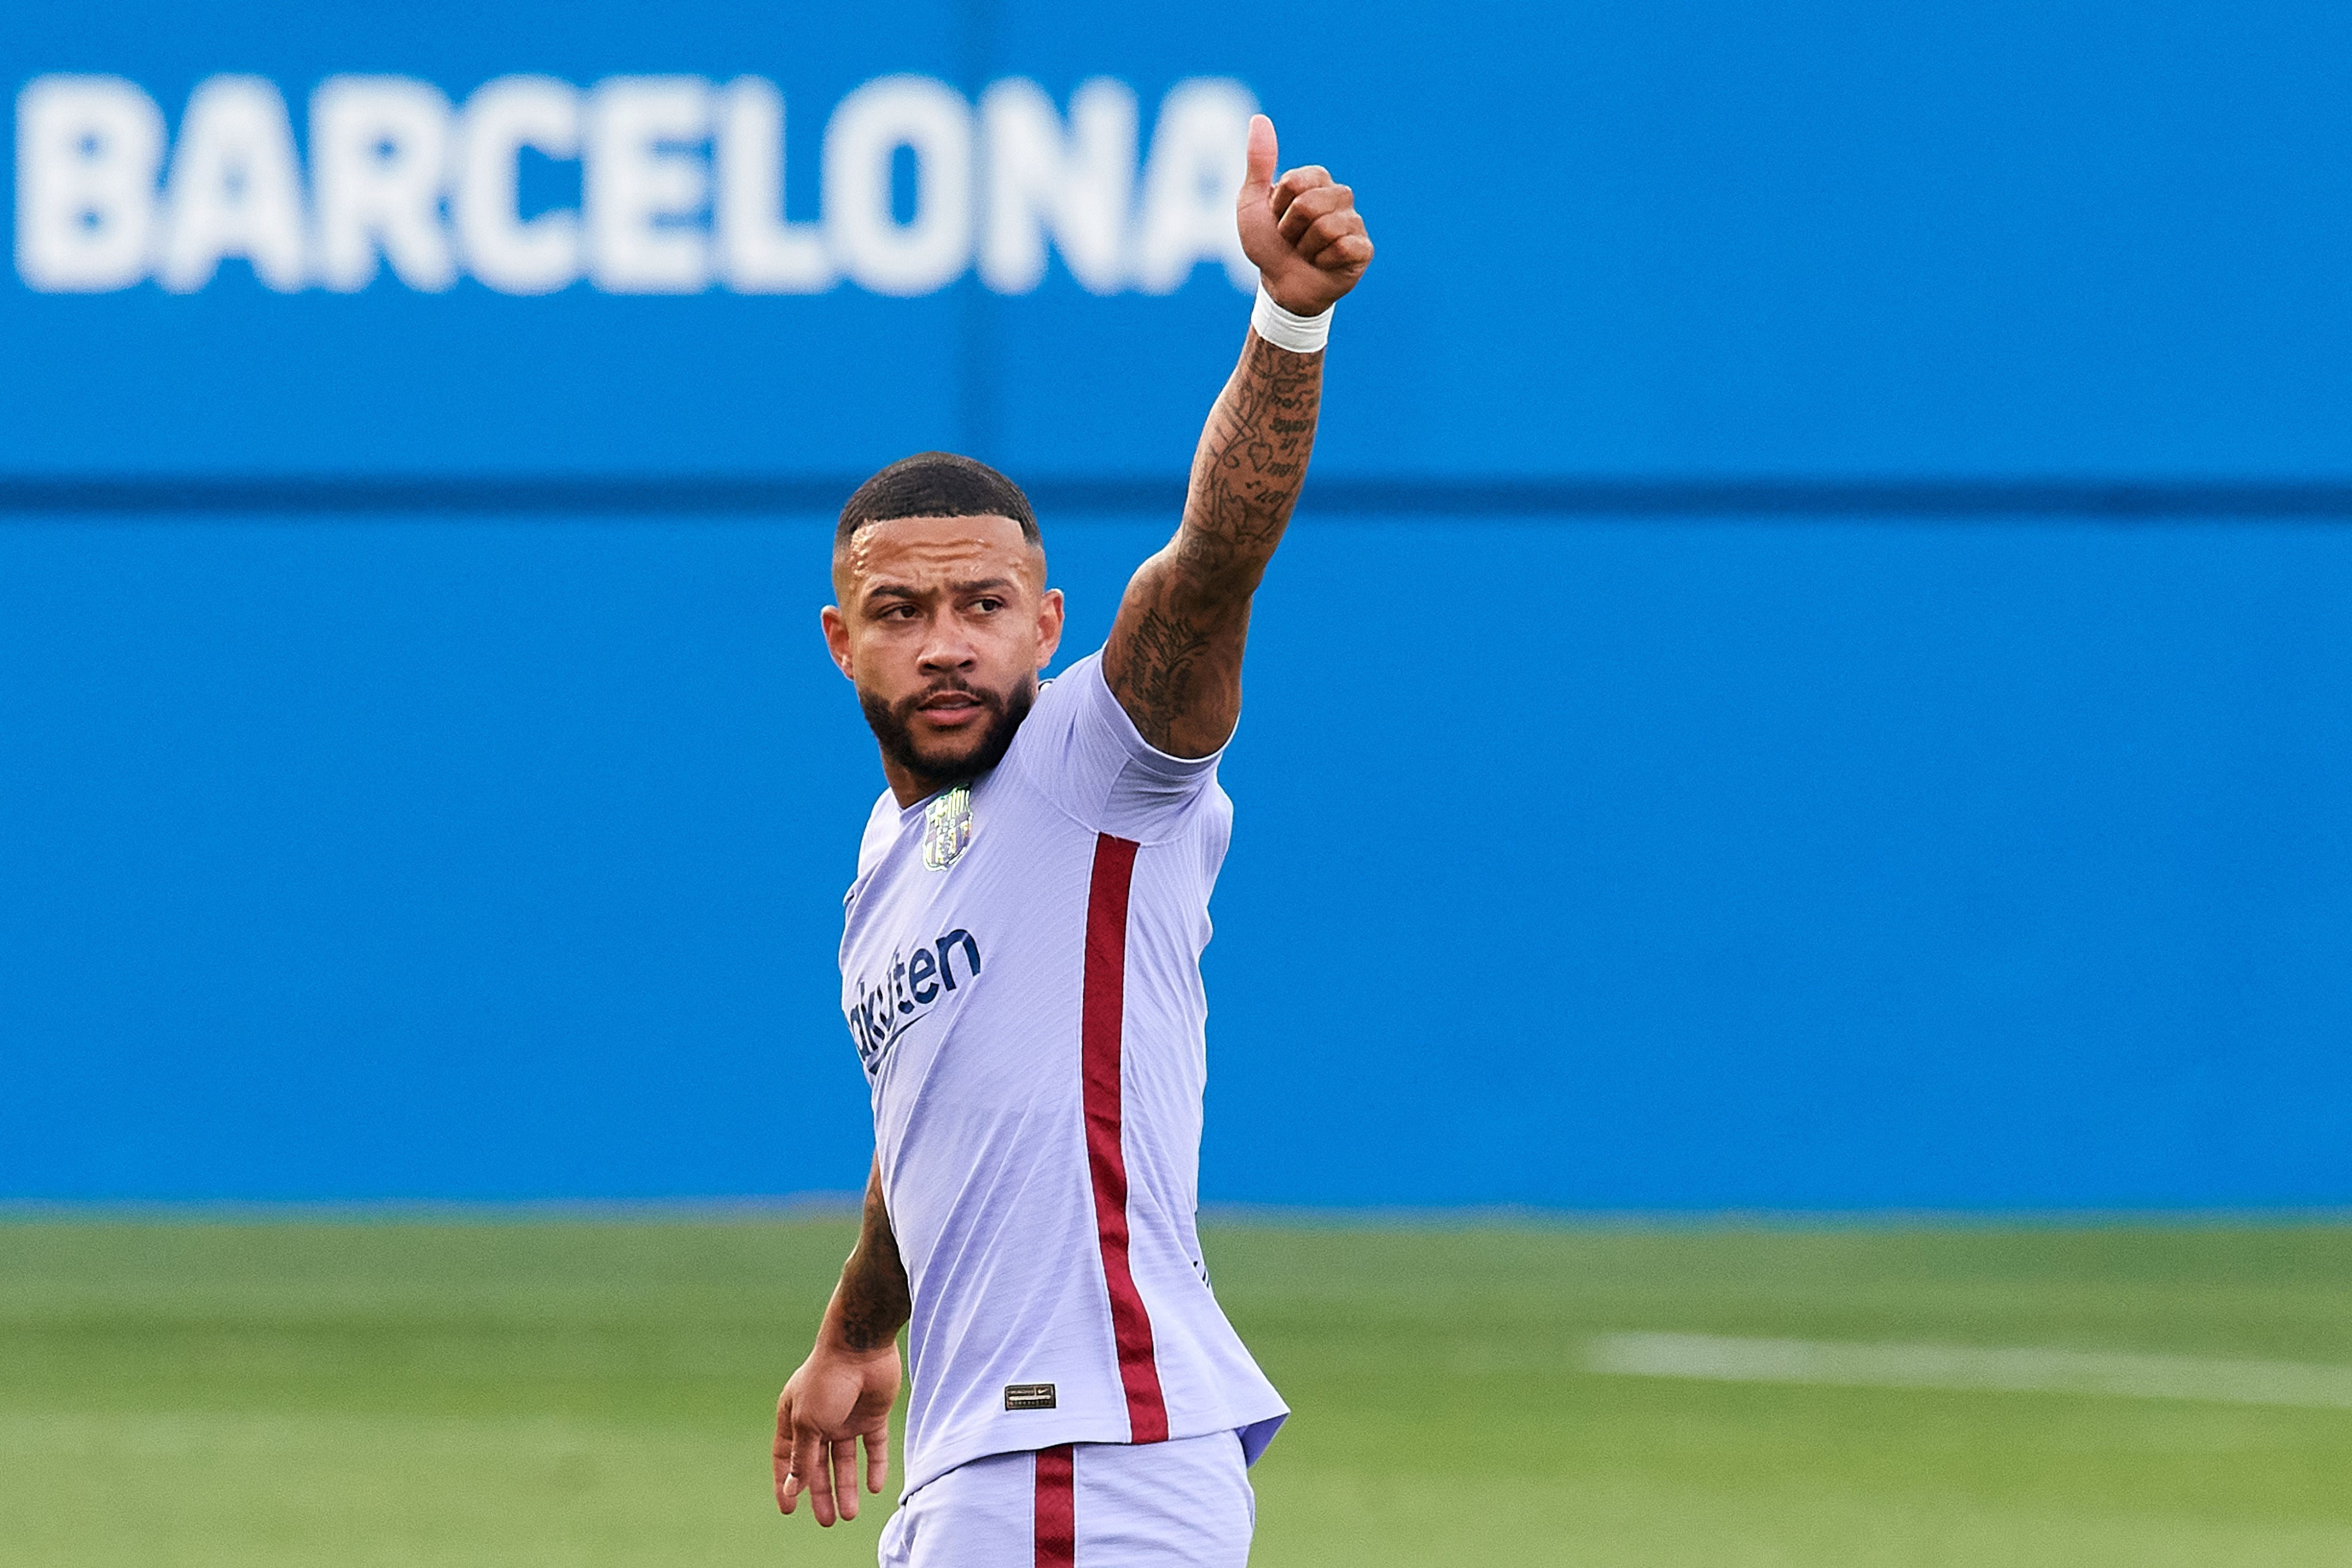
x=1029, y=1396
x=907, y=991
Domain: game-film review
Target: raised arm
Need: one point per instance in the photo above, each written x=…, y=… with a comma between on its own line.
x=842, y=1393
x=1174, y=658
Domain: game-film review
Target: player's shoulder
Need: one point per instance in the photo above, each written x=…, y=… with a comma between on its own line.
x=1054, y=695
x=1045, y=733
x=1080, y=698
x=1079, y=748
x=882, y=825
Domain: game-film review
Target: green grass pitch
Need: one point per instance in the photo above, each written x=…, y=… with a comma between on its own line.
x=581, y=1392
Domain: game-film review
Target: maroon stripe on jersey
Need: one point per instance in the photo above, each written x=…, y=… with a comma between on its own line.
x=1099, y=1029
x=1057, y=1511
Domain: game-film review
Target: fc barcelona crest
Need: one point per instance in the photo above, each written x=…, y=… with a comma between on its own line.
x=946, y=827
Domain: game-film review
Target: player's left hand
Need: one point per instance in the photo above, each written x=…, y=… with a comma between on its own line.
x=1302, y=232
x=837, y=1399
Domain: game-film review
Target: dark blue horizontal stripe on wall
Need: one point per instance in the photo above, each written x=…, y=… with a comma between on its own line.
x=574, y=495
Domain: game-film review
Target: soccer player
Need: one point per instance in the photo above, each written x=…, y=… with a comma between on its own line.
x=1020, y=975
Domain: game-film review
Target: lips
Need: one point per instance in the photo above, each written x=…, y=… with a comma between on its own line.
x=952, y=709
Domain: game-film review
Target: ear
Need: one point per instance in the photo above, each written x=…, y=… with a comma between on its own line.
x=1049, y=626
x=836, y=639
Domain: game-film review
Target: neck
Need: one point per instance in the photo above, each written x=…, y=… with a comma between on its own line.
x=908, y=786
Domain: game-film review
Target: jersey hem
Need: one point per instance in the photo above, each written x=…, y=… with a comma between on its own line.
x=1049, y=1435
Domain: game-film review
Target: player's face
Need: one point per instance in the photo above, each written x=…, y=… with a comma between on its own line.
x=943, y=625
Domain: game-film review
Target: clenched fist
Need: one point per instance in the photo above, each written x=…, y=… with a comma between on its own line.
x=1302, y=231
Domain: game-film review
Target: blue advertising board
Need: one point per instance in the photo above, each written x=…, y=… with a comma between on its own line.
x=720, y=240
x=1809, y=673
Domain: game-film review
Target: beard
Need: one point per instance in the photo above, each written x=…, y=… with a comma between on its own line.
x=892, y=724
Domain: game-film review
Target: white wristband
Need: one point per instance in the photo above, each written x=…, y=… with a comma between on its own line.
x=1299, y=334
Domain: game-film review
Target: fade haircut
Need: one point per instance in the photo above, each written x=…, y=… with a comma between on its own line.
x=936, y=484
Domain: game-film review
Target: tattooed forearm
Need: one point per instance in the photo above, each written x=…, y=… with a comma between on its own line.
x=872, y=1304
x=1252, y=460
x=1174, y=657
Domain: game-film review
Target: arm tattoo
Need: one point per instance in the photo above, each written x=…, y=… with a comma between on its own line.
x=1174, y=657
x=1165, y=650
x=873, y=1300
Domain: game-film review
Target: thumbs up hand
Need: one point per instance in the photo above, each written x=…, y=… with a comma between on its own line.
x=1301, y=231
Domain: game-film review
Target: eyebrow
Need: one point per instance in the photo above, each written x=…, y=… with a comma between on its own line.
x=901, y=590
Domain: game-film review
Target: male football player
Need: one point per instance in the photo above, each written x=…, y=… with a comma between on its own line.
x=1021, y=977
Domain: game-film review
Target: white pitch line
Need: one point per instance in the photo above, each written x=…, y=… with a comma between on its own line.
x=1723, y=1359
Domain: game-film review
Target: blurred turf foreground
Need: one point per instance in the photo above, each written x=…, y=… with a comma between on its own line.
x=576, y=1392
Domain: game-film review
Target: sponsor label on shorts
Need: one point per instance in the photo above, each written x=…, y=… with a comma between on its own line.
x=1029, y=1396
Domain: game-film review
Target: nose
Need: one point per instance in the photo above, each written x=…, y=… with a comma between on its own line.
x=947, y=648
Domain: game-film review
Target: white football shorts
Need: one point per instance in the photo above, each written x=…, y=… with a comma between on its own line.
x=1181, y=1504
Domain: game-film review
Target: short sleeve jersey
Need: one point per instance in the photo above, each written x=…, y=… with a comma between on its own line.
x=1023, y=985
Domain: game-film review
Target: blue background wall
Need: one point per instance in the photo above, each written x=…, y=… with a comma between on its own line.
x=1713, y=738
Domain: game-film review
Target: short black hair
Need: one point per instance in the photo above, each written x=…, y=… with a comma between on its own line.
x=937, y=484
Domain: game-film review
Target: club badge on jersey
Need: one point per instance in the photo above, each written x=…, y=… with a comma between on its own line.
x=946, y=827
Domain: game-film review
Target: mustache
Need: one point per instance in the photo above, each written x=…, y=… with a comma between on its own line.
x=906, y=707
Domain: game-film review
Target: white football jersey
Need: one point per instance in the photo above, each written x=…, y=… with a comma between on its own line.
x=1019, y=970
